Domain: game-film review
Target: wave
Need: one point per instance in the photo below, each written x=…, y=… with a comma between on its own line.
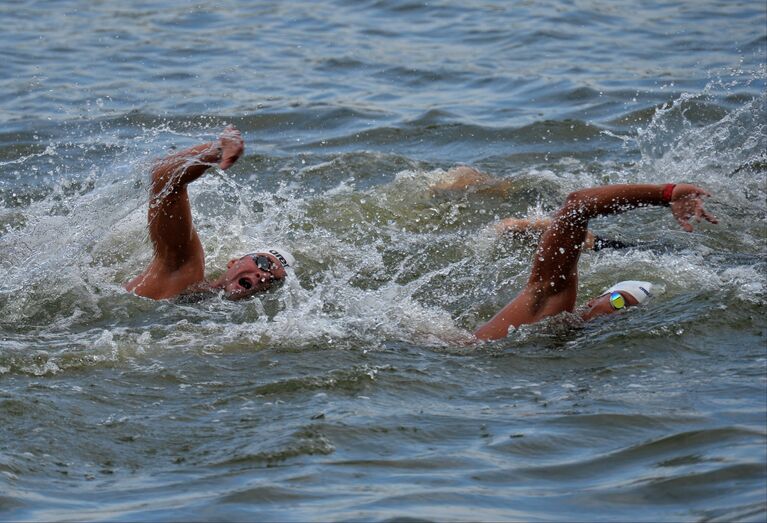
x=382, y=256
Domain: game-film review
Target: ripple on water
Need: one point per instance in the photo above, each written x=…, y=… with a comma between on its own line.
x=354, y=392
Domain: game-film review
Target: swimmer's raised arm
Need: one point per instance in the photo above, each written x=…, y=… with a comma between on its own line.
x=538, y=226
x=179, y=259
x=552, y=286
x=181, y=168
x=557, y=257
x=170, y=216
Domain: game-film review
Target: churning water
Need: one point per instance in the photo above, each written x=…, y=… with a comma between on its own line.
x=355, y=391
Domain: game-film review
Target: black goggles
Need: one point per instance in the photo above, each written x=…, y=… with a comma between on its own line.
x=264, y=263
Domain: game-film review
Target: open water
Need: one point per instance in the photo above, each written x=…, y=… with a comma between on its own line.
x=354, y=391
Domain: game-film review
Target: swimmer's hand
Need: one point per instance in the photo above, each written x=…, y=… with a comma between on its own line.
x=687, y=202
x=231, y=146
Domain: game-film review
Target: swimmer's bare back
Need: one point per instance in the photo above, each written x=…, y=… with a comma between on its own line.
x=465, y=178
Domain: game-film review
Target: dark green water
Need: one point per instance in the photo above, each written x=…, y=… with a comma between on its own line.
x=354, y=392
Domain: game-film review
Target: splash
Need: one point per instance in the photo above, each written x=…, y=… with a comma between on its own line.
x=381, y=259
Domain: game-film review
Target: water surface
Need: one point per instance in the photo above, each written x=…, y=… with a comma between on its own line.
x=354, y=392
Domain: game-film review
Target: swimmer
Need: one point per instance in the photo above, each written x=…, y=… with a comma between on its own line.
x=553, y=284
x=537, y=226
x=465, y=178
x=178, y=263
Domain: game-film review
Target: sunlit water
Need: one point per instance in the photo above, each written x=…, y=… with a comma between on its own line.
x=355, y=391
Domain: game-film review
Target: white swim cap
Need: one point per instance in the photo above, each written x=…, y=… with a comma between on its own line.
x=640, y=290
x=286, y=259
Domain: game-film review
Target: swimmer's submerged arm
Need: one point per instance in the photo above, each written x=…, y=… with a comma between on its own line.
x=552, y=286
x=522, y=225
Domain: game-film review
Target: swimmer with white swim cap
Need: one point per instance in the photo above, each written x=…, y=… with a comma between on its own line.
x=178, y=264
x=621, y=295
x=553, y=284
x=464, y=178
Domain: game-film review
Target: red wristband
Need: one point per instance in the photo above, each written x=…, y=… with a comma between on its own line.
x=668, y=190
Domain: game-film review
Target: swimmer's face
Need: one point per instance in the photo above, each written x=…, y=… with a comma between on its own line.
x=601, y=306
x=249, y=275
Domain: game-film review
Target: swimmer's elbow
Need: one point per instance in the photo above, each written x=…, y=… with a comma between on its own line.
x=159, y=177
x=577, y=208
x=577, y=199
x=166, y=179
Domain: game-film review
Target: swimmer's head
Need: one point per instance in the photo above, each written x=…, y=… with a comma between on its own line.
x=618, y=297
x=256, y=272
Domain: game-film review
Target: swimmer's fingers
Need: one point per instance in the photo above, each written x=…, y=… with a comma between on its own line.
x=687, y=202
x=708, y=216
x=698, y=211
x=230, y=130
x=683, y=210
x=684, y=222
x=701, y=213
x=683, y=213
x=231, y=145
